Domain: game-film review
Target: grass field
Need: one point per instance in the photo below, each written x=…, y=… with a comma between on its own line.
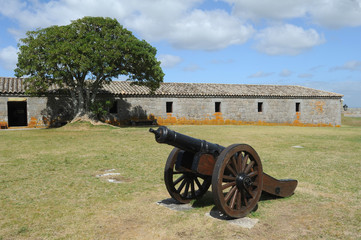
x=49, y=187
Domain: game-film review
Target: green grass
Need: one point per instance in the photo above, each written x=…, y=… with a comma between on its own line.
x=351, y=121
x=49, y=188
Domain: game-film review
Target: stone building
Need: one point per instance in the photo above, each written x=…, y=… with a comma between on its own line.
x=182, y=103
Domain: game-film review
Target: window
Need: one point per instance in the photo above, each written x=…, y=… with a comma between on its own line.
x=217, y=107
x=260, y=107
x=114, y=108
x=169, y=107
x=298, y=106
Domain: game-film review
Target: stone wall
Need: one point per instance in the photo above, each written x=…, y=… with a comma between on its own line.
x=34, y=106
x=43, y=111
x=315, y=112
x=352, y=112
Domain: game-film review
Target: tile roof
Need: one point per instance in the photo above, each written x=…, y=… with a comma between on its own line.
x=11, y=85
x=15, y=85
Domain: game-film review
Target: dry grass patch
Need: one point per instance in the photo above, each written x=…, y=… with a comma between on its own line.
x=351, y=121
x=50, y=189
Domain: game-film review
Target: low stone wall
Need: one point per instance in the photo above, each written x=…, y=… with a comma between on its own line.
x=352, y=112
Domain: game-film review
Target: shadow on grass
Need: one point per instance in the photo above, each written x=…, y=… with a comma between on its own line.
x=205, y=201
x=208, y=200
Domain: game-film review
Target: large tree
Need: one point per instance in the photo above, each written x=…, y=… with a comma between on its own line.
x=82, y=56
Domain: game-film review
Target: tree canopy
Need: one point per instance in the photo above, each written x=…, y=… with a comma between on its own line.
x=84, y=55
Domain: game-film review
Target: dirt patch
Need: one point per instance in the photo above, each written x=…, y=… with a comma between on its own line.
x=111, y=176
x=87, y=118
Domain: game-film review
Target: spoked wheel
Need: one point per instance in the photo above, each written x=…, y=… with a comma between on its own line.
x=184, y=186
x=237, y=180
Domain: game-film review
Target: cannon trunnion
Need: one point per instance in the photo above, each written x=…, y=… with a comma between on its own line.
x=235, y=173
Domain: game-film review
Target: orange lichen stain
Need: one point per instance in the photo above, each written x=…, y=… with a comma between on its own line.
x=219, y=120
x=32, y=122
x=3, y=125
x=297, y=121
x=35, y=123
x=319, y=106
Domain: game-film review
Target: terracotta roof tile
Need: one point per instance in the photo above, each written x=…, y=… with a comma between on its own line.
x=11, y=85
x=16, y=86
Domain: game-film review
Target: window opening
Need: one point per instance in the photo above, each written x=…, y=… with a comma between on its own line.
x=169, y=107
x=260, y=107
x=298, y=105
x=114, y=108
x=217, y=107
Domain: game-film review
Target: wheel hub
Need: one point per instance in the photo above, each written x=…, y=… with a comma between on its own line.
x=243, y=181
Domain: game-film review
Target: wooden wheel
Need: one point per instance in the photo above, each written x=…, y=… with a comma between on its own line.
x=237, y=180
x=184, y=186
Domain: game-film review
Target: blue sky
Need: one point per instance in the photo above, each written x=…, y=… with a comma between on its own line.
x=310, y=43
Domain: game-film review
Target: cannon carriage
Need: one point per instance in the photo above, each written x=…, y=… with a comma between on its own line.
x=235, y=173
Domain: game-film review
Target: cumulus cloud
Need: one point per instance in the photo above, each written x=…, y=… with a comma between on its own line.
x=350, y=66
x=193, y=29
x=260, y=74
x=8, y=58
x=271, y=9
x=178, y=21
x=336, y=13
x=185, y=26
x=209, y=30
x=169, y=61
x=287, y=39
x=328, y=13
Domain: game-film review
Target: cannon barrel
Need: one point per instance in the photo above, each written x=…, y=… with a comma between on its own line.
x=184, y=142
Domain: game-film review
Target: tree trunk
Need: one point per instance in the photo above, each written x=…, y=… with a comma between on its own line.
x=81, y=101
x=75, y=102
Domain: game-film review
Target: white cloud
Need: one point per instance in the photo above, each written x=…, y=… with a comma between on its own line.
x=209, y=31
x=178, y=21
x=337, y=13
x=328, y=13
x=260, y=74
x=350, y=66
x=192, y=29
x=286, y=39
x=169, y=61
x=8, y=58
x=185, y=26
x=285, y=73
x=270, y=9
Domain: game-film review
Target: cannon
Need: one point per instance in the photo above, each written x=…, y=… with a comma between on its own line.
x=235, y=173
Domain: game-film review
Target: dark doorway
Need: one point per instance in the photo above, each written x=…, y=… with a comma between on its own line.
x=17, y=114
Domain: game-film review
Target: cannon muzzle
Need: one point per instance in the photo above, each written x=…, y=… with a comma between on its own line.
x=163, y=134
